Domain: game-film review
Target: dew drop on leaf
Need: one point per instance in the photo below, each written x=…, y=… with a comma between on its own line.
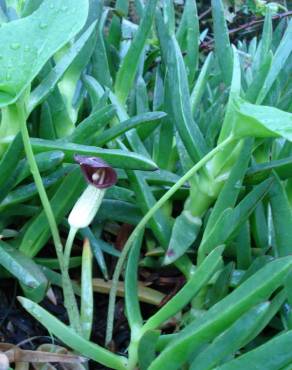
x=64, y=8
x=43, y=25
x=15, y=46
x=8, y=76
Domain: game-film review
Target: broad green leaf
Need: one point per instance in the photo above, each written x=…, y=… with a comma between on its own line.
x=50, y=81
x=29, y=42
x=260, y=121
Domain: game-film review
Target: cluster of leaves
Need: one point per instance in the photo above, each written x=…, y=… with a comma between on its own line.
x=202, y=147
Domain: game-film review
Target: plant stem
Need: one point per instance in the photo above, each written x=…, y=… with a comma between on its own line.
x=69, y=296
x=38, y=182
x=142, y=224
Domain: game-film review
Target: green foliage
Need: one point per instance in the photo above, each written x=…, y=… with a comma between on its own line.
x=201, y=142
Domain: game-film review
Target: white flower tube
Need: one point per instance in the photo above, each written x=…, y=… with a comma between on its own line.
x=86, y=207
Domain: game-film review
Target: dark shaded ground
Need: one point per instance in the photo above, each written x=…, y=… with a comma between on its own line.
x=19, y=328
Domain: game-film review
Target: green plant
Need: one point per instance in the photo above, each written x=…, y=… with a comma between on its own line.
x=202, y=148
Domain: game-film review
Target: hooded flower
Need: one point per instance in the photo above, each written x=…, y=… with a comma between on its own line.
x=100, y=176
x=96, y=171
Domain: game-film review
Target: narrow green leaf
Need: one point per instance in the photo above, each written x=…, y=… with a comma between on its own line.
x=126, y=74
x=25, y=270
x=222, y=42
x=90, y=126
x=8, y=163
x=117, y=158
x=231, y=340
x=253, y=291
x=228, y=195
x=231, y=219
x=184, y=233
x=46, y=162
x=180, y=109
x=147, y=348
x=198, y=280
x=131, y=285
x=28, y=191
x=73, y=340
x=86, y=310
x=261, y=171
x=131, y=123
x=272, y=355
x=200, y=84
x=282, y=218
x=38, y=231
x=279, y=60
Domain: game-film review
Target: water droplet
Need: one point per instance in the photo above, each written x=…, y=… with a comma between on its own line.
x=8, y=76
x=64, y=8
x=43, y=25
x=26, y=48
x=15, y=46
x=52, y=6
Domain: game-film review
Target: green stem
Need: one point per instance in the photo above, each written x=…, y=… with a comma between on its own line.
x=67, y=286
x=69, y=297
x=38, y=182
x=143, y=223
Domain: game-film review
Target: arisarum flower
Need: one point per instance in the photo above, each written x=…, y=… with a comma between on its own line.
x=100, y=176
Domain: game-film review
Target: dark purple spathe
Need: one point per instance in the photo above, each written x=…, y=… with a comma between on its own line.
x=90, y=165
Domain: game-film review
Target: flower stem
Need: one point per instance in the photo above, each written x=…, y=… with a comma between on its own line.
x=69, y=297
x=66, y=282
x=142, y=224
